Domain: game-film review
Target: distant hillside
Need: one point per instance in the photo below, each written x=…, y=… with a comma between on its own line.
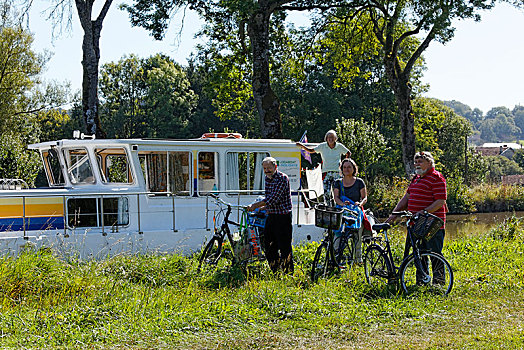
x=499, y=124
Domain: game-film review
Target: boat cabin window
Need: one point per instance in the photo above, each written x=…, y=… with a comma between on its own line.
x=53, y=168
x=167, y=172
x=87, y=212
x=244, y=171
x=207, y=171
x=114, y=165
x=78, y=166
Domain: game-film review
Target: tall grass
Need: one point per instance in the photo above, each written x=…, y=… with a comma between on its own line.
x=162, y=302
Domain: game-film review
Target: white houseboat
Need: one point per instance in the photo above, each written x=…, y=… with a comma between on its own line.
x=109, y=196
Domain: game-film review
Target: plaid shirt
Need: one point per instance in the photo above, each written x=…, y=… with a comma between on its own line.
x=278, y=194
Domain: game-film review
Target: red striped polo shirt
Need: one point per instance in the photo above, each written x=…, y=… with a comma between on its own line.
x=425, y=190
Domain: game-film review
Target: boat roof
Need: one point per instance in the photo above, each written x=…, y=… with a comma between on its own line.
x=159, y=142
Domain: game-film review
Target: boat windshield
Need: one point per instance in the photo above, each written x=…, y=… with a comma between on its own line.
x=78, y=165
x=52, y=167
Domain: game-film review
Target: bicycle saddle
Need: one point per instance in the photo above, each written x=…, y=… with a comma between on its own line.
x=381, y=227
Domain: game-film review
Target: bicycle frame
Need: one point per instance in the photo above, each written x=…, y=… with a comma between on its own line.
x=411, y=243
x=224, y=230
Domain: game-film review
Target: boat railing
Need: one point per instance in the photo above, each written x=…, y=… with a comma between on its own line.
x=301, y=198
x=12, y=184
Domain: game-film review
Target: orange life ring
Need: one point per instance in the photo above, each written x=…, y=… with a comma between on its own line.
x=221, y=135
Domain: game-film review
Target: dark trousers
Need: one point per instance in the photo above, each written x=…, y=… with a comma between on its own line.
x=435, y=244
x=277, y=242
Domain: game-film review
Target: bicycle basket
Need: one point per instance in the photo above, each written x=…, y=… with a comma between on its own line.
x=426, y=225
x=328, y=217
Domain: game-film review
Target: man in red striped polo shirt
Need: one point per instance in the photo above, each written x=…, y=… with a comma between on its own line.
x=427, y=193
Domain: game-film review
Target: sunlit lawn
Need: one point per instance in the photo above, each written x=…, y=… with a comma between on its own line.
x=161, y=302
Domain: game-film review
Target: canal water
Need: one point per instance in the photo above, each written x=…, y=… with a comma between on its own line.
x=462, y=225
x=475, y=224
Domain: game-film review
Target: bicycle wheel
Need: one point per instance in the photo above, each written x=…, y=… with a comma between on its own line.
x=344, y=252
x=323, y=266
x=438, y=274
x=377, y=267
x=211, y=253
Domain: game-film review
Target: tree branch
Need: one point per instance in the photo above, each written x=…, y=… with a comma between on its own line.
x=103, y=12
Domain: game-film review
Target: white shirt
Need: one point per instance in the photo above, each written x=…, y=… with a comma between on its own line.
x=331, y=156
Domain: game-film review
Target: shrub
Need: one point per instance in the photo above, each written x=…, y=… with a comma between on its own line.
x=460, y=200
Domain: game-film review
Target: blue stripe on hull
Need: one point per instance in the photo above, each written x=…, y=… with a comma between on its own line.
x=32, y=224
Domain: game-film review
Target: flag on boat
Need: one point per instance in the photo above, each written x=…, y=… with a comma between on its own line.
x=305, y=154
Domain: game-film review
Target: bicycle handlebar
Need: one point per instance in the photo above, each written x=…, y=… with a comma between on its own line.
x=229, y=205
x=349, y=211
x=403, y=213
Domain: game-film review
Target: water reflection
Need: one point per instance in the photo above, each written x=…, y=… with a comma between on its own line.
x=475, y=224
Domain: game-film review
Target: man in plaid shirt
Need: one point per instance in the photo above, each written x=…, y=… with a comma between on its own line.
x=278, y=229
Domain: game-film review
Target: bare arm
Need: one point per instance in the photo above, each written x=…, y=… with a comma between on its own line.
x=256, y=205
x=307, y=149
x=363, y=196
x=401, y=205
x=336, y=194
x=436, y=205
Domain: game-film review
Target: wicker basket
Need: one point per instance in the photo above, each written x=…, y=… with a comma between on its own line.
x=426, y=225
x=328, y=217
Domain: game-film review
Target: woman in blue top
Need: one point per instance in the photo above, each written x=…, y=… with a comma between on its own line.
x=351, y=191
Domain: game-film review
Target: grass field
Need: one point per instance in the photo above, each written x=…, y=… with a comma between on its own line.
x=149, y=302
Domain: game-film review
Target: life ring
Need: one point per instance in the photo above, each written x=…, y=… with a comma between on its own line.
x=221, y=135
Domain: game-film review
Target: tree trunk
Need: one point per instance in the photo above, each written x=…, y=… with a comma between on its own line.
x=267, y=103
x=90, y=62
x=402, y=90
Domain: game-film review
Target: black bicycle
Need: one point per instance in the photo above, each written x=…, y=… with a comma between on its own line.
x=334, y=253
x=422, y=270
x=243, y=246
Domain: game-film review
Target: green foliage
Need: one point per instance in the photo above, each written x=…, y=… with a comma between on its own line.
x=518, y=158
x=145, y=98
x=443, y=132
x=460, y=200
x=19, y=69
x=511, y=229
x=499, y=125
x=496, y=198
x=499, y=166
x=385, y=193
x=365, y=142
x=15, y=160
x=57, y=124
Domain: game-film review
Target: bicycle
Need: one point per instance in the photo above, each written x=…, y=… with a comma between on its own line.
x=345, y=242
x=422, y=270
x=333, y=254
x=245, y=248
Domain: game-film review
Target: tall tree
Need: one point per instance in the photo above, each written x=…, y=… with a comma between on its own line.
x=90, y=62
x=394, y=24
x=21, y=98
x=146, y=98
x=249, y=19
x=60, y=13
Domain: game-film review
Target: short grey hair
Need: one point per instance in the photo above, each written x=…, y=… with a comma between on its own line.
x=331, y=132
x=269, y=160
x=425, y=155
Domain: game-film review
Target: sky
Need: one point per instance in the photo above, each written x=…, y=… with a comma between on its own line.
x=481, y=66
